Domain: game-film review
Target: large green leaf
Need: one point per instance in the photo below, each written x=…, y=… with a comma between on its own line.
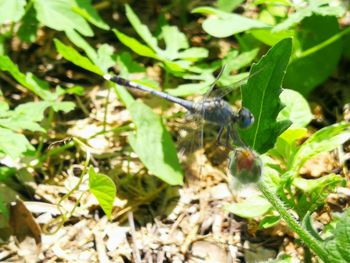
x=306, y=72
x=13, y=144
x=226, y=24
x=323, y=140
x=11, y=10
x=153, y=144
x=338, y=245
x=251, y=208
x=296, y=109
x=135, y=45
x=343, y=236
x=40, y=88
x=319, y=7
x=142, y=29
x=261, y=96
x=73, y=56
x=103, y=188
x=29, y=26
x=58, y=15
x=86, y=10
x=25, y=117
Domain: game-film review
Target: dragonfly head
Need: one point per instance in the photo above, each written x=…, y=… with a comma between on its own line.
x=245, y=118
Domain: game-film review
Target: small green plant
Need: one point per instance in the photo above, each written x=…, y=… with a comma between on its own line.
x=60, y=15
x=281, y=185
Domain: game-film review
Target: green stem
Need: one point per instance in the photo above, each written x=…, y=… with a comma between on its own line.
x=106, y=110
x=324, y=44
x=308, y=239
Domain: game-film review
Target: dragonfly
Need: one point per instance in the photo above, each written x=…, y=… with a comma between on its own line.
x=213, y=110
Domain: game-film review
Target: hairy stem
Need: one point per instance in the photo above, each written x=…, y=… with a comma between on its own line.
x=292, y=222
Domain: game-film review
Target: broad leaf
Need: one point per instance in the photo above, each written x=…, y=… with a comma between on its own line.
x=39, y=88
x=86, y=10
x=296, y=109
x=103, y=188
x=135, y=45
x=286, y=145
x=142, y=29
x=58, y=15
x=338, y=246
x=251, y=208
x=317, y=185
x=26, y=116
x=13, y=144
x=307, y=72
x=153, y=144
x=269, y=221
x=261, y=96
x=80, y=42
x=29, y=26
x=73, y=56
x=226, y=24
x=319, y=7
x=323, y=140
x=11, y=10
x=228, y=5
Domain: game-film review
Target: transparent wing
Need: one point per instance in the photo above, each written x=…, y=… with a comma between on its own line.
x=230, y=83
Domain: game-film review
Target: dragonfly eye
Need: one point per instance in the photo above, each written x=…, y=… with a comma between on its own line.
x=245, y=118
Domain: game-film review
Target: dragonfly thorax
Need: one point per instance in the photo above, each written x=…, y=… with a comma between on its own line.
x=216, y=111
x=219, y=112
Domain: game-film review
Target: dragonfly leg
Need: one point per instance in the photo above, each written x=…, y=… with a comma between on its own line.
x=235, y=136
x=227, y=137
x=218, y=139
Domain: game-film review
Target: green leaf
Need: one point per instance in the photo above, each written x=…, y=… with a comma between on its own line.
x=229, y=5
x=193, y=88
x=103, y=188
x=174, y=41
x=226, y=24
x=286, y=145
x=342, y=236
x=11, y=10
x=251, y=208
x=104, y=58
x=323, y=140
x=261, y=96
x=26, y=116
x=29, y=26
x=269, y=221
x=296, y=109
x=318, y=184
x=28, y=81
x=13, y=144
x=86, y=10
x=135, y=45
x=305, y=73
x=80, y=42
x=73, y=56
x=269, y=37
x=65, y=106
x=39, y=87
x=58, y=15
x=193, y=53
x=141, y=29
x=127, y=65
x=315, y=7
x=153, y=144
x=338, y=245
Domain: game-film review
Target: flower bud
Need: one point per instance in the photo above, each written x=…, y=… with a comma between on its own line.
x=245, y=165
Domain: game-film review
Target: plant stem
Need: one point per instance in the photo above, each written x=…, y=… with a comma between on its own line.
x=308, y=239
x=324, y=44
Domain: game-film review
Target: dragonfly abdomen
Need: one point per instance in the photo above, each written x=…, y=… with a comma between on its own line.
x=132, y=85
